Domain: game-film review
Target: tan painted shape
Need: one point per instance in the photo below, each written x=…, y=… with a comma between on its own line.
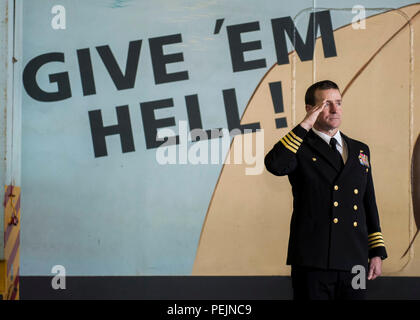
x=246, y=229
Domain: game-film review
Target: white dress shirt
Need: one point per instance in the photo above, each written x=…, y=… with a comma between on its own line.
x=341, y=144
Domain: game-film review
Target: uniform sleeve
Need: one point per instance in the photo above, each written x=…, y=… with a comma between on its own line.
x=281, y=159
x=375, y=239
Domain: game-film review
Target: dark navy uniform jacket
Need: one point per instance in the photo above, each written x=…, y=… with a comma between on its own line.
x=335, y=222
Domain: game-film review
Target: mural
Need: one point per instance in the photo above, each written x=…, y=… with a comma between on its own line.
x=129, y=164
x=246, y=233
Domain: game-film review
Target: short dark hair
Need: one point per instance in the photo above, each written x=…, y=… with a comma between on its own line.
x=321, y=85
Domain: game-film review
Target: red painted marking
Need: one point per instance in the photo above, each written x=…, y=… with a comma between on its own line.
x=7, y=195
x=13, y=254
x=7, y=234
x=15, y=286
x=10, y=226
x=17, y=206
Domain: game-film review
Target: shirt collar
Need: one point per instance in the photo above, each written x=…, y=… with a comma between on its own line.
x=327, y=138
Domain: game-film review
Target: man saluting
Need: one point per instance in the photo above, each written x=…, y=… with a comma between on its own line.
x=335, y=223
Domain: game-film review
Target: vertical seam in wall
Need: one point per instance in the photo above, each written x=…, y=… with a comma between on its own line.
x=411, y=137
x=3, y=109
x=10, y=84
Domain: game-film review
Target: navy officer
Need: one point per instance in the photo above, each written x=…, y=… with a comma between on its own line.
x=335, y=223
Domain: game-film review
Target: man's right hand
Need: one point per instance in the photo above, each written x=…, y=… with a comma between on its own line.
x=312, y=114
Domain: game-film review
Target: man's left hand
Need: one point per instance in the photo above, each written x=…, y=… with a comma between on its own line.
x=375, y=268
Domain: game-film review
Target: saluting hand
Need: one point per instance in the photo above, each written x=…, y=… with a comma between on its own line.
x=312, y=114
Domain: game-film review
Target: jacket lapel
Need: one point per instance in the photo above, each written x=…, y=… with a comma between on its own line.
x=352, y=155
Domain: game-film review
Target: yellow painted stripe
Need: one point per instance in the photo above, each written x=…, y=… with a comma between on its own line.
x=375, y=242
x=16, y=261
x=12, y=237
x=6, y=281
x=377, y=245
x=297, y=143
x=286, y=139
x=11, y=205
x=296, y=137
x=3, y=277
x=11, y=243
x=9, y=212
x=375, y=234
x=287, y=146
x=16, y=264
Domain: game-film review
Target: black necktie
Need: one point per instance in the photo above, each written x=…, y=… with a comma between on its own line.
x=338, y=157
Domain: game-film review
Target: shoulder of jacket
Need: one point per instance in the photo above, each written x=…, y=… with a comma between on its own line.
x=363, y=146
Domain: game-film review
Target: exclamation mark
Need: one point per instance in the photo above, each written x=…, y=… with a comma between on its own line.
x=277, y=97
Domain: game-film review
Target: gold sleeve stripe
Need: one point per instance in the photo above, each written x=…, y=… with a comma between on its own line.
x=374, y=234
x=287, y=146
x=296, y=137
x=286, y=139
x=293, y=140
x=375, y=238
x=375, y=242
x=377, y=245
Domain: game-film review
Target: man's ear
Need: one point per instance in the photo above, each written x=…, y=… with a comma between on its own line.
x=308, y=107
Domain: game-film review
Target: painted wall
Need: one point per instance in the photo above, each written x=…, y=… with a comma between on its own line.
x=10, y=104
x=120, y=212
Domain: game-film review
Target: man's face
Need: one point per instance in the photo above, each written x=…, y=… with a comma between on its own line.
x=330, y=117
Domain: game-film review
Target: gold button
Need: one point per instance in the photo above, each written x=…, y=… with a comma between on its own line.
x=355, y=207
x=356, y=191
x=335, y=187
x=313, y=159
x=361, y=150
x=355, y=224
x=335, y=220
x=335, y=204
x=367, y=169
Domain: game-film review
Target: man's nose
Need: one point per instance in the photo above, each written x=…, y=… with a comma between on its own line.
x=333, y=107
